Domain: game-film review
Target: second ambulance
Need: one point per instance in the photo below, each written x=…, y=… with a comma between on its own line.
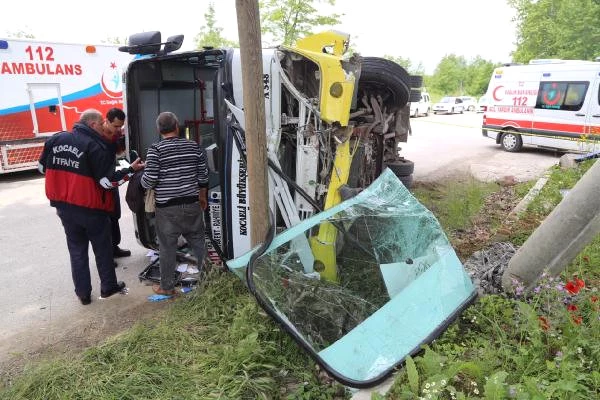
x=548, y=103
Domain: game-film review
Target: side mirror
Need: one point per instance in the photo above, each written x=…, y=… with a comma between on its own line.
x=143, y=43
x=173, y=43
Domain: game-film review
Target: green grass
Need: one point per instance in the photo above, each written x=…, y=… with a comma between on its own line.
x=217, y=343
x=456, y=203
x=541, y=345
x=213, y=344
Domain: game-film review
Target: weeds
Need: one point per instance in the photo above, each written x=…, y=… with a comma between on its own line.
x=455, y=204
x=543, y=344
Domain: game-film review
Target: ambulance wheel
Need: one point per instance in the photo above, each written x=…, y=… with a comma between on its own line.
x=511, y=141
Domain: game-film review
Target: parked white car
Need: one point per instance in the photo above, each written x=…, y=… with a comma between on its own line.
x=482, y=104
x=422, y=107
x=449, y=105
x=469, y=103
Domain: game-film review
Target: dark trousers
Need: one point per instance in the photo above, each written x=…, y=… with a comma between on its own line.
x=81, y=228
x=114, y=220
x=171, y=222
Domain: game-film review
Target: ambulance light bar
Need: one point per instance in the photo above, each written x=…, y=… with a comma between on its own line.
x=3, y=45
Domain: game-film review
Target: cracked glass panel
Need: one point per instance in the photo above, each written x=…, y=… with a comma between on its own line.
x=384, y=281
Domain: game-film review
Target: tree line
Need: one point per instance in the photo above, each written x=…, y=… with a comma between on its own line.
x=545, y=29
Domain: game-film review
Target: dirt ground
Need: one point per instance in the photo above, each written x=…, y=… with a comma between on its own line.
x=70, y=335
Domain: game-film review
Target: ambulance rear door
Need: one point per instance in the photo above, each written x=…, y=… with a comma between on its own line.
x=592, y=118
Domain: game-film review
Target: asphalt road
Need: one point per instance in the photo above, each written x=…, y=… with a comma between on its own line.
x=443, y=145
x=37, y=296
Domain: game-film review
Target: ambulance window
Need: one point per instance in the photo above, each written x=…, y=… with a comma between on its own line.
x=575, y=95
x=566, y=96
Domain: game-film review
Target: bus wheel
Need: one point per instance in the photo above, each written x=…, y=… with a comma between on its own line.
x=511, y=141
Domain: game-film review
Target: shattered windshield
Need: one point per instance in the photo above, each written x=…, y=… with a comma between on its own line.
x=388, y=282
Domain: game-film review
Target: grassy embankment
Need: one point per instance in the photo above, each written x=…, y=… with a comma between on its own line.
x=217, y=343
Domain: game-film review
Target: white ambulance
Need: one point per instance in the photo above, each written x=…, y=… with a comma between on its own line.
x=547, y=103
x=45, y=87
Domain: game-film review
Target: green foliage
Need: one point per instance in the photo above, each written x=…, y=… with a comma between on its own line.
x=560, y=182
x=556, y=29
x=454, y=76
x=288, y=20
x=210, y=35
x=478, y=75
x=450, y=74
x=407, y=64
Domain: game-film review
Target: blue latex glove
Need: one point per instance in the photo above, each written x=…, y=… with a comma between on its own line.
x=158, y=297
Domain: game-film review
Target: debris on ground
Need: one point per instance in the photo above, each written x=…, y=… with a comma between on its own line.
x=486, y=267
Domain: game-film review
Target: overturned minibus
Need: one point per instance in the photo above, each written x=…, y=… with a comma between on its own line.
x=360, y=274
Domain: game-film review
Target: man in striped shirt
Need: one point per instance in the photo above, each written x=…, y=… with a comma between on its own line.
x=176, y=169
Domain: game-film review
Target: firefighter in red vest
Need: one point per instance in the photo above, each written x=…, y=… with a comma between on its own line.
x=80, y=175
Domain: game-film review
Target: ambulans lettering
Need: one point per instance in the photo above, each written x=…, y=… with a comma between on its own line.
x=14, y=68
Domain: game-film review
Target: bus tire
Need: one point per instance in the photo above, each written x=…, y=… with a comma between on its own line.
x=386, y=78
x=407, y=180
x=402, y=167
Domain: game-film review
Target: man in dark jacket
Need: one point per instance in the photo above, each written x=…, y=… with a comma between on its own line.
x=80, y=175
x=113, y=132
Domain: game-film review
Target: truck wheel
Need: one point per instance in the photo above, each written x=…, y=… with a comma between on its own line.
x=402, y=167
x=385, y=77
x=415, y=96
x=428, y=113
x=511, y=141
x=416, y=114
x=416, y=81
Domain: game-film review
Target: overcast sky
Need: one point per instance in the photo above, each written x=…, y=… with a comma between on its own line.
x=421, y=30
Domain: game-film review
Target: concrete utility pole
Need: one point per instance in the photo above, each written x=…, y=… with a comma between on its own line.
x=571, y=226
x=254, y=114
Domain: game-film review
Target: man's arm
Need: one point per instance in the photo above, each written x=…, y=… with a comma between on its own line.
x=150, y=177
x=43, y=157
